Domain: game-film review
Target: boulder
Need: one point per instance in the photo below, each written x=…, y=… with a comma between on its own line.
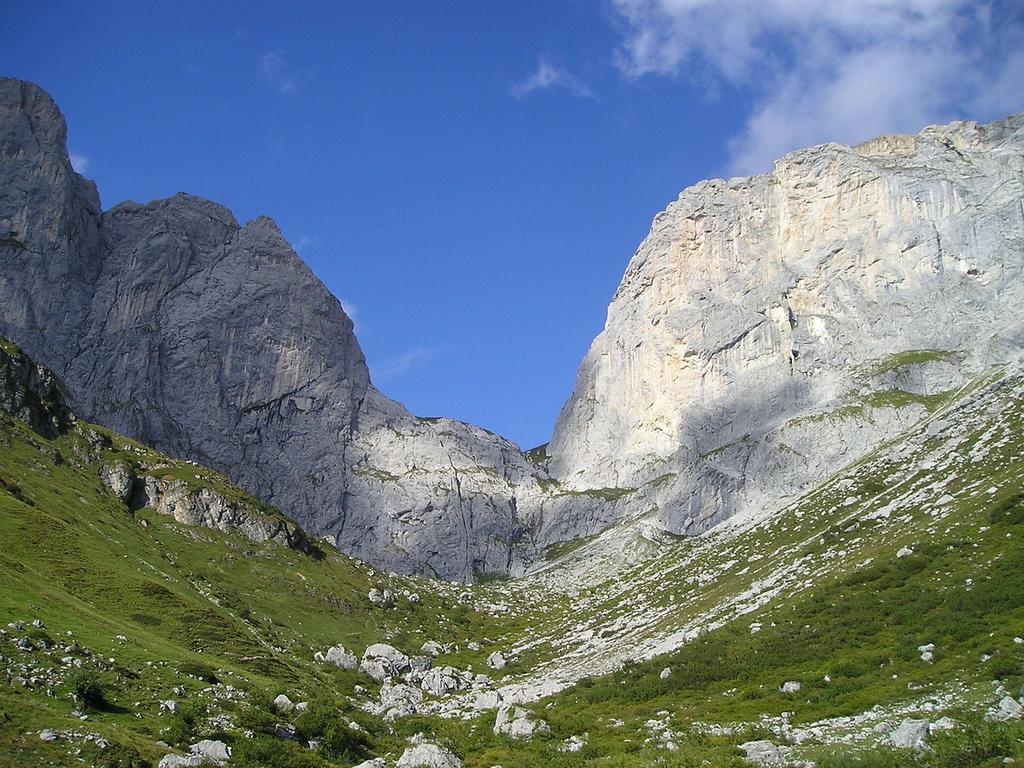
x=341, y=658
x=283, y=704
x=487, y=700
x=763, y=752
x=427, y=756
x=790, y=686
x=384, y=652
x=381, y=661
x=517, y=723
x=1008, y=708
x=496, y=660
x=910, y=734
x=182, y=761
x=376, y=669
x=418, y=665
x=399, y=700
x=442, y=680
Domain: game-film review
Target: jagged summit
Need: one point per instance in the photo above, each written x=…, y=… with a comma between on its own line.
x=768, y=332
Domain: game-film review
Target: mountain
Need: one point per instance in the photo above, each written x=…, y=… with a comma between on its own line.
x=769, y=332
x=173, y=324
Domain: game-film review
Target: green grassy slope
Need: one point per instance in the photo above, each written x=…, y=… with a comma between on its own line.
x=187, y=601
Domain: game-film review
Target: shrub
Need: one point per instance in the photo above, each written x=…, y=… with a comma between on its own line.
x=1008, y=510
x=258, y=714
x=974, y=743
x=204, y=672
x=114, y=756
x=322, y=721
x=187, y=723
x=268, y=752
x=86, y=688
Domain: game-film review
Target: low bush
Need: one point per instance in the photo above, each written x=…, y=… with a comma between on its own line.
x=268, y=752
x=187, y=723
x=86, y=689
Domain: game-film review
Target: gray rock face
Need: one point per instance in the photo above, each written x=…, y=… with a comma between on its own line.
x=753, y=345
x=175, y=325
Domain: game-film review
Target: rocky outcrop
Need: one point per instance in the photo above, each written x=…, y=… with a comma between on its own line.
x=772, y=329
x=209, y=508
x=32, y=393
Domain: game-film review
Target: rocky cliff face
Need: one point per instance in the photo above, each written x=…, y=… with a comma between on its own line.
x=772, y=329
x=769, y=331
x=173, y=324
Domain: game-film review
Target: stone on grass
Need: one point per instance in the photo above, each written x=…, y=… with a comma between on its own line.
x=427, y=756
x=910, y=734
x=1008, y=708
x=517, y=723
x=496, y=660
x=170, y=706
x=340, y=657
x=763, y=752
x=283, y=704
x=432, y=647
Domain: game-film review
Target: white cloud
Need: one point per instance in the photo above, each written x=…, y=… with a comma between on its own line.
x=549, y=75
x=392, y=369
x=353, y=314
x=79, y=162
x=305, y=243
x=275, y=71
x=844, y=70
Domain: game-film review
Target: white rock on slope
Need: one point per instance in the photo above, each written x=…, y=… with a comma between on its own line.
x=427, y=756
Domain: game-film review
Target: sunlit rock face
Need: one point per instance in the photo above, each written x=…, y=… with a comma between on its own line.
x=756, y=301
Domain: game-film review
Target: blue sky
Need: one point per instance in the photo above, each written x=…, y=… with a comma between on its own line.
x=471, y=178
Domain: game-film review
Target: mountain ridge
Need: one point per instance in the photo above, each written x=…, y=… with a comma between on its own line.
x=213, y=341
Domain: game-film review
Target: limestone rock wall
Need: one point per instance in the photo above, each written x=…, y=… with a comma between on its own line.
x=756, y=301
